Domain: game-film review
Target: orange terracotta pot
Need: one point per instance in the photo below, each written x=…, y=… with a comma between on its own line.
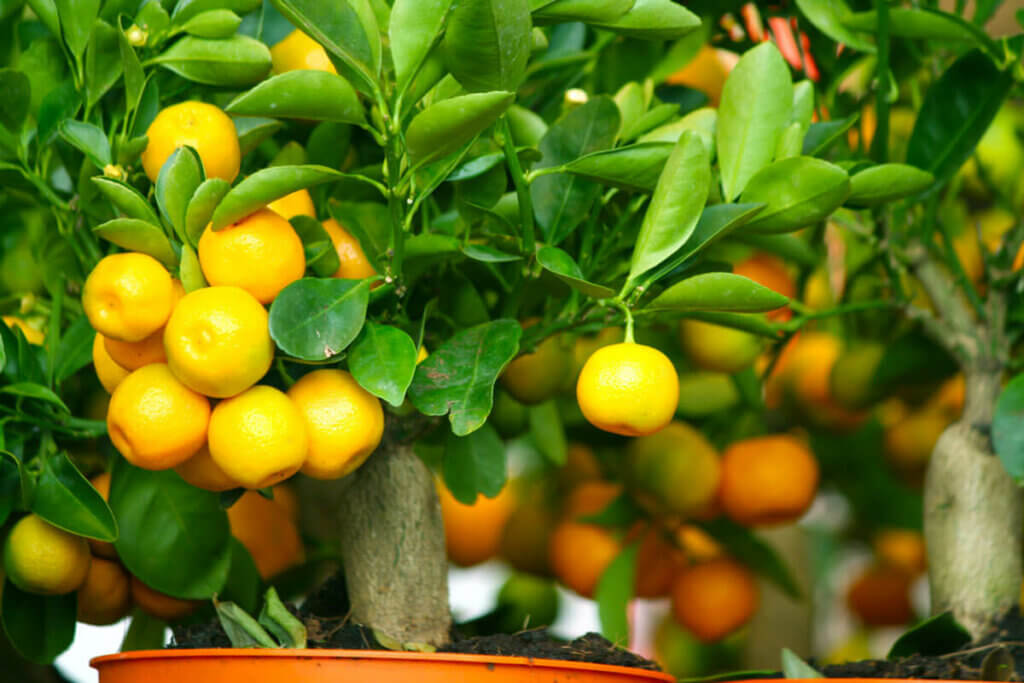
x=351, y=666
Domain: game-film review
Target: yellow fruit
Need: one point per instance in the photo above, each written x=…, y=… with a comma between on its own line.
x=298, y=203
x=258, y=438
x=714, y=598
x=284, y=495
x=628, y=389
x=128, y=296
x=767, y=480
x=993, y=223
x=344, y=422
x=706, y=73
x=217, y=341
x=32, y=335
x=267, y=530
x=678, y=466
x=101, y=482
x=818, y=294
x=579, y=553
x=109, y=372
x=159, y=605
x=535, y=377
x=852, y=376
x=201, y=126
x=261, y=253
x=105, y=597
x=299, y=51
x=134, y=355
x=40, y=558
x=353, y=262
x=584, y=347
x=422, y=355
x=472, y=533
x=717, y=348
x=202, y=472
x=771, y=272
x=155, y=421
x=903, y=549
x=909, y=442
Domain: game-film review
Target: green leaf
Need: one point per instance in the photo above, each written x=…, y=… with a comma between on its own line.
x=486, y=254
x=634, y=168
x=933, y=637
x=103, y=65
x=675, y=206
x=614, y=591
x=201, y=207
x=414, y=29
x=887, y=182
x=458, y=377
x=191, y=272
x=654, y=20
x=798, y=191
x=161, y=516
x=445, y=126
x=654, y=117
x=704, y=121
x=321, y=255
x=718, y=292
x=233, y=62
x=39, y=627
x=316, y=319
x=126, y=199
x=302, y=94
x=61, y=103
x=548, y=433
x=66, y=499
x=253, y=130
x=36, y=391
x=756, y=104
x=794, y=667
x=241, y=629
x=746, y=547
x=383, y=360
x=46, y=10
x=821, y=135
x=136, y=235
x=370, y=223
x=16, y=100
x=144, y=632
x=487, y=44
x=77, y=19
x=289, y=631
x=266, y=185
x=790, y=142
x=1008, y=428
x=561, y=202
x=829, y=17
x=789, y=246
x=474, y=464
x=179, y=178
x=587, y=11
x=186, y=9
x=956, y=112
x=560, y=264
x=916, y=24
x=244, y=584
x=75, y=350
x=803, y=103
x=134, y=76
x=215, y=23
x=88, y=139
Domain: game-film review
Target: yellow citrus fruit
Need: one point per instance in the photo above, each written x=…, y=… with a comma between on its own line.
x=299, y=52
x=767, y=480
x=101, y=482
x=40, y=558
x=106, y=596
x=353, y=262
x=706, y=72
x=261, y=253
x=472, y=533
x=851, y=380
x=155, y=421
x=128, y=296
x=344, y=422
x=202, y=472
x=134, y=355
x=218, y=342
x=258, y=438
x=201, y=126
x=628, y=389
x=881, y=596
x=697, y=544
x=584, y=347
x=537, y=376
x=678, y=466
x=579, y=553
x=267, y=530
x=818, y=294
x=108, y=371
x=285, y=496
x=712, y=599
x=903, y=549
x=298, y=203
x=422, y=355
x=32, y=335
x=160, y=605
x=718, y=348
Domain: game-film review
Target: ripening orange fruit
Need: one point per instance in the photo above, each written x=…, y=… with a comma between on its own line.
x=767, y=480
x=712, y=599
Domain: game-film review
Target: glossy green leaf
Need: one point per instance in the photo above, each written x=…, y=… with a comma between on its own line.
x=241, y=629
x=46, y=10
x=756, y=104
x=741, y=543
x=803, y=104
x=790, y=142
x=561, y=202
x=614, y=591
x=190, y=272
x=632, y=103
x=487, y=44
x=316, y=319
x=264, y=186
x=887, y=182
x=77, y=19
x=560, y=264
x=548, y=432
x=215, y=23
x=252, y=130
x=458, y=378
x=88, y=139
x=445, y=126
x=794, y=667
x=302, y=94
x=956, y=112
x=61, y=103
x=789, y=246
x=288, y=629
x=134, y=76
x=35, y=391
x=136, y=235
x=675, y=206
x=202, y=205
x=10, y=486
x=474, y=464
x=370, y=224
x=634, y=168
x=75, y=350
x=939, y=635
x=66, y=499
x=527, y=127
x=126, y=199
x=654, y=20
x=1008, y=428
x=383, y=360
x=16, y=100
x=703, y=121
x=161, y=516
x=179, y=178
x=822, y=134
x=587, y=11
x=103, y=65
x=153, y=18
x=414, y=29
x=184, y=10
x=337, y=26
x=486, y=254
x=321, y=255
x=798, y=191
x=718, y=292
x=651, y=119
x=39, y=627
x=716, y=221
x=233, y=62
x=915, y=23
x=829, y=17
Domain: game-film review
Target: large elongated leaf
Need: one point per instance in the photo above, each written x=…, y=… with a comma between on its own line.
x=316, y=319
x=828, y=16
x=798, y=191
x=127, y=199
x=67, y=500
x=302, y=94
x=474, y=464
x=718, y=292
x=39, y=627
x=615, y=589
x=635, y=168
x=487, y=44
x=338, y=26
x=561, y=265
x=383, y=361
x=77, y=19
x=589, y=11
x=916, y=23
x=887, y=182
x=444, y=127
x=233, y=62
x=137, y=235
x=264, y=186
x=179, y=178
x=746, y=547
x=654, y=20
x=414, y=28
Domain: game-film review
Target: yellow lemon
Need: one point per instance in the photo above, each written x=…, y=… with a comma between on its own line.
x=202, y=472
x=299, y=51
x=106, y=595
x=298, y=203
x=201, y=126
x=128, y=296
x=40, y=558
x=108, y=371
x=354, y=264
x=535, y=377
x=32, y=335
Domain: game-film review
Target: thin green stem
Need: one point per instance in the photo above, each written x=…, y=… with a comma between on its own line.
x=880, y=143
x=528, y=242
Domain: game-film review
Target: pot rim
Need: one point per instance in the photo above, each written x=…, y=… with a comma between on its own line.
x=318, y=653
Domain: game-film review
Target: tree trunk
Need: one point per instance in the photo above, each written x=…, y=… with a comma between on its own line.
x=972, y=516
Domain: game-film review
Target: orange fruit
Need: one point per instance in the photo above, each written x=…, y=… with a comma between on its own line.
x=202, y=472
x=299, y=52
x=580, y=553
x=298, y=203
x=107, y=370
x=657, y=563
x=910, y=441
x=101, y=482
x=472, y=533
x=268, y=531
x=105, y=597
x=903, y=549
x=353, y=262
x=712, y=599
x=590, y=498
x=201, y=126
x=771, y=272
x=134, y=355
x=678, y=466
x=128, y=296
x=706, y=72
x=536, y=376
x=767, y=480
x=881, y=597
x=580, y=465
x=160, y=605
x=697, y=544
